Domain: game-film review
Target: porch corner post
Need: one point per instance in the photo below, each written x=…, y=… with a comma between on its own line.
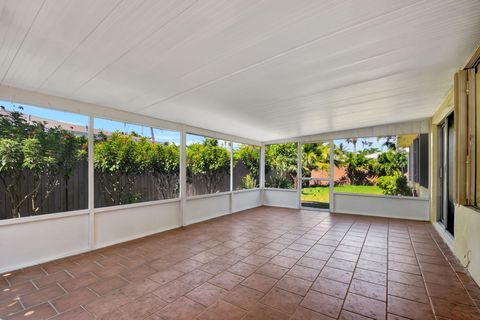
x=91, y=183
x=183, y=175
x=331, y=180
x=231, y=176
x=299, y=174
x=262, y=173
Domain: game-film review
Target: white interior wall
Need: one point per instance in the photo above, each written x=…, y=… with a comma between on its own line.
x=115, y=225
x=281, y=198
x=246, y=199
x=30, y=241
x=33, y=240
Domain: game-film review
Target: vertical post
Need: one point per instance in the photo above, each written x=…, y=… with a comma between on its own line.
x=91, y=184
x=331, y=175
x=183, y=176
x=299, y=174
x=231, y=176
x=262, y=172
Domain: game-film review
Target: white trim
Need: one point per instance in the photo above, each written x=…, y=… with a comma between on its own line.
x=208, y=195
x=47, y=216
x=446, y=236
x=280, y=189
x=135, y=205
x=382, y=196
x=316, y=179
x=246, y=190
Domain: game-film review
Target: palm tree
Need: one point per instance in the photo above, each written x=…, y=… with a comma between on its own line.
x=390, y=142
x=309, y=158
x=354, y=142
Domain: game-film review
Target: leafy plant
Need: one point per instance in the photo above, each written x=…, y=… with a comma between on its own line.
x=119, y=159
x=209, y=162
x=165, y=166
x=250, y=156
x=390, y=163
x=394, y=185
x=249, y=182
x=357, y=167
x=30, y=149
x=281, y=164
x=279, y=182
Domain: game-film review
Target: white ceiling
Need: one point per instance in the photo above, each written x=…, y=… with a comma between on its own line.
x=263, y=70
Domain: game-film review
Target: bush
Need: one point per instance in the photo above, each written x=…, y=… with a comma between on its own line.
x=279, y=182
x=30, y=149
x=249, y=182
x=396, y=185
x=209, y=162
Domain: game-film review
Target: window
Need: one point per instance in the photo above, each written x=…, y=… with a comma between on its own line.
x=44, y=165
x=208, y=165
x=390, y=165
x=281, y=166
x=246, y=166
x=134, y=163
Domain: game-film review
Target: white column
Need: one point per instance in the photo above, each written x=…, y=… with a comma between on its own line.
x=91, y=184
x=262, y=172
x=231, y=176
x=299, y=174
x=183, y=176
x=331, y=176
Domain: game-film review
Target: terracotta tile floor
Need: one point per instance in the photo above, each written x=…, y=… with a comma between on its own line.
x=264, y=263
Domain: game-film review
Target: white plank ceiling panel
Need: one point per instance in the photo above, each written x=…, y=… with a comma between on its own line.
x=263, y=70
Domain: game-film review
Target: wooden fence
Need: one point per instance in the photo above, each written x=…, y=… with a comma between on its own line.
x=77, y=196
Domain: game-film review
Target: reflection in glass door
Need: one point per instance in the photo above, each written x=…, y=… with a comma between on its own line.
x=315, y=180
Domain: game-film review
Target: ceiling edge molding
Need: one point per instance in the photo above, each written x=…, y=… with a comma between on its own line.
x=399, y=128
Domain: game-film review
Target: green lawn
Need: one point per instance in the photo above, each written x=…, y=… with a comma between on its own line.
x=321, y=194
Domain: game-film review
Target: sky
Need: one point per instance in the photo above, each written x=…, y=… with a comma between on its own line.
x=99, y=123
x=160, y=135
x=106, y=125
x=375, y=143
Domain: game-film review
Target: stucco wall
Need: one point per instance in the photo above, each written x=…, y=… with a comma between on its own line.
x=466, y=242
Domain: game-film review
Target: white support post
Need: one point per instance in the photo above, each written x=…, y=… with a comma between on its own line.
x=231, y=176
x=299, y=173
x=262, y=173
x=183, y=176
x=91, y=184
x=331, y=174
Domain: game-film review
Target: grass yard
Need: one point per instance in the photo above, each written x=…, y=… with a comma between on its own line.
x=321, y=194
